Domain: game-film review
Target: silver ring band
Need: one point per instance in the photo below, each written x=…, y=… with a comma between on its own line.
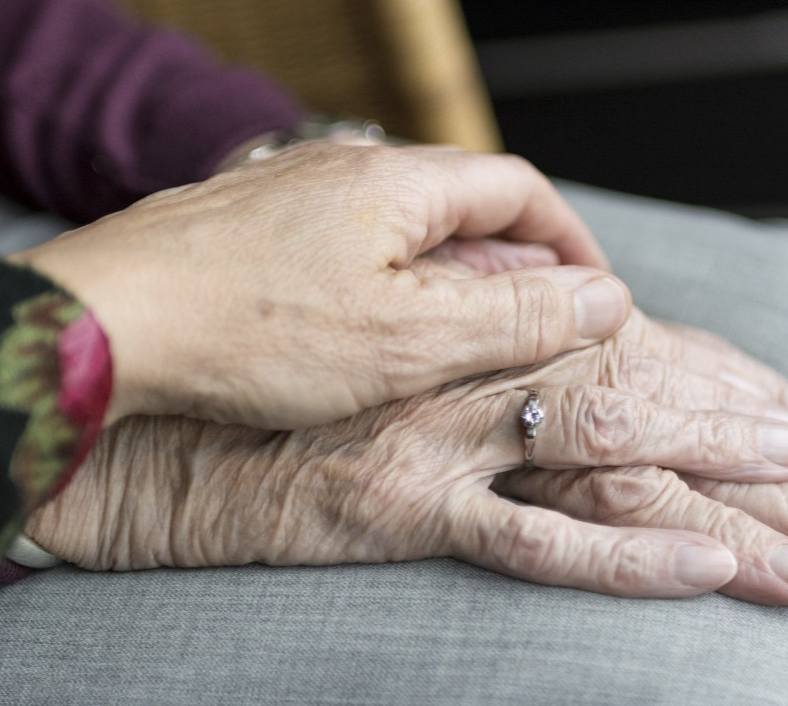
x=531, y=417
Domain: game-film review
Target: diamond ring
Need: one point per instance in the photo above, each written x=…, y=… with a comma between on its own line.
x=531, y=417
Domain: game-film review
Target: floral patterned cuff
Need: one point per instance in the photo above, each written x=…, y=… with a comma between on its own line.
x=55, y=386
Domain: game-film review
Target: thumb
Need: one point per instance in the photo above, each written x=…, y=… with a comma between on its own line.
x=546, y=547
x=459, y=327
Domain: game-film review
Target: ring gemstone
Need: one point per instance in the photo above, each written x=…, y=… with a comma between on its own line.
x=532, y=415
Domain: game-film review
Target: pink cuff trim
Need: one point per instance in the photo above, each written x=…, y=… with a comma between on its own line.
x=85, y=384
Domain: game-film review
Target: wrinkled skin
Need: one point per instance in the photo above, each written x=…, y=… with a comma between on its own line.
x=751, y=519
x=416, y=478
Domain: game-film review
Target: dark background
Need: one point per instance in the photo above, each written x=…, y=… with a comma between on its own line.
x=711, y=129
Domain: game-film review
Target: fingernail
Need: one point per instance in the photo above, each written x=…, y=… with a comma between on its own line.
x=704, y=567
x=600, y=308
x=774, y=443
x=778, y=561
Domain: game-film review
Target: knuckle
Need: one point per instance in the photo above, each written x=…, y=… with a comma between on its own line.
x=628, y=565
x=540, y=318
x=642, y=494
x=532, y=547
x=617, y=494
x=718, y=442
x=607, y=424
x=627, y=368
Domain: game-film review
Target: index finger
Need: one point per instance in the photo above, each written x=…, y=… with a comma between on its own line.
x=474, y=195
x=648, y=496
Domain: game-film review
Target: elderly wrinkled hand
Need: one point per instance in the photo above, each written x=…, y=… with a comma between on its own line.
x=280, y=294
x=688, y=370
x=422, y=477
x=751, y=520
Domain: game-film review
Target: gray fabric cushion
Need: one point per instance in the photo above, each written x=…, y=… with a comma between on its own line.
x=425, y=633
x=701, y=267
x=434, y=632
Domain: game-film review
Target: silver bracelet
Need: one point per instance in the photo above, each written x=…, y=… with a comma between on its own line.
x=25, y=552
x=318, y=127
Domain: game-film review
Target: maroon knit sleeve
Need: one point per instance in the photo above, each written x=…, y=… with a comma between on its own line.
x=97, y=110
x=11, y=572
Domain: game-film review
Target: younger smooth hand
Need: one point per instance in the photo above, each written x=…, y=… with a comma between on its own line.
x=281, y=294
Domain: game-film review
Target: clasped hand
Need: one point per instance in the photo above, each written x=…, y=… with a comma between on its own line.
x=288, y=294
x=636, y=422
